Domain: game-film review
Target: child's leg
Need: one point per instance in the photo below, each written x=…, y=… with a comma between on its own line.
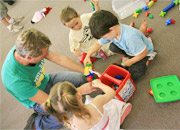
x=143, y=27
x=116, y=50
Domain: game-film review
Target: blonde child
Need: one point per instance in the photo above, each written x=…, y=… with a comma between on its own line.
x=103, y=113
x=80, y=37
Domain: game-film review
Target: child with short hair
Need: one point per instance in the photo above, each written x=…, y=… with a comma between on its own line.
x=80, y=37
x=9, y=22
x=65, y=103
x=126, y=40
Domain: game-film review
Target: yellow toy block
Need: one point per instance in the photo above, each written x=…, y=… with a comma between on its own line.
x=135, y=15
x=150, y=4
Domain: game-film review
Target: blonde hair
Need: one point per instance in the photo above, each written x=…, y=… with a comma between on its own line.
x=31, y=42
x=67, y=14
x=63, y=102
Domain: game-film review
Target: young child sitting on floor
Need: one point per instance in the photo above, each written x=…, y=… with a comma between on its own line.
x=80, y=37
x=65, y=103
x=126, y=40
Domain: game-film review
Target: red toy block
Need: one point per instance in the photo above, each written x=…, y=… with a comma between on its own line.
x=173, y=21
x=147, y=14
x=102, y=54
x=126, y=86
x=83, y=57
x=149, y=30
x=150, y=92
x=154, y=0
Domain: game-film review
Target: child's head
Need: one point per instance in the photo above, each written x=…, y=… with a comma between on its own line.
x=70, y=18
x=63, y=101
x=31, y=42
x=101, y=23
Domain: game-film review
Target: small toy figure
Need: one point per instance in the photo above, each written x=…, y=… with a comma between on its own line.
x=102, y=54
x=38, y=15
x=170, y=21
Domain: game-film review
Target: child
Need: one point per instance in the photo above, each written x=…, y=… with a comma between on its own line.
x=9, y=22
x=125, y=39
x=65, y=103
x=80, y=37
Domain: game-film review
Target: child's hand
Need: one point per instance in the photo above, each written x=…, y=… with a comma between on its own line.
x=77, y=53
x=97, y=83
x=87, y=60
x=95, y=2
x=86, y=88
x=127, y=63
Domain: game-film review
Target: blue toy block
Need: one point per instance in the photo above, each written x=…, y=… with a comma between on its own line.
x=169, y=7
x=145, y=8
x=168, y=21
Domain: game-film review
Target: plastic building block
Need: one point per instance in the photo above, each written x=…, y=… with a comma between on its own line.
x=147, y=14
x=150, y=4
x=166, y=88
x=149, y=30
x=139, y=10
x=83, y=57
x=102, y=54
x=168, y=7
x=93, y=9
x=150, y=16
x=173, y=21
x=150, y=92
x=176, y=2
x=162, y=14
x=145, y=8
x=135, y=15
x=89, y=72
x=170, y=21
x=154, y=0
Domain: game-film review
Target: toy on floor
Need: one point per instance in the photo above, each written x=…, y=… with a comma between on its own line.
x=89, y=72
x=149, y=30
x=170, y=21
x=165, y=10
x=102, y=54
x=39, y=15
x=150, y=92
x=81, y=59
x=166, y=88
x=126, y=86
x=150, y=4
x=93, y=9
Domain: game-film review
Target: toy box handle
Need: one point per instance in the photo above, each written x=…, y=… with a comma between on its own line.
x=114, y=80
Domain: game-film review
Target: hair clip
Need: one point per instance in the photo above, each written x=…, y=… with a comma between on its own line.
x=48, y=100
x=64, y=94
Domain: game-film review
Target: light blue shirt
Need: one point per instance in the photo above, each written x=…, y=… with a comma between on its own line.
x=132, y=41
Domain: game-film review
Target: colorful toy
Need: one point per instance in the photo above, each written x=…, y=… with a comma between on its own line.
x=139, y=10
x=165, y=10
x=88, y=72
x=149, y=30
x=81, y=59
x=147, y=14
x=151, y=16
x=166, y=88
x=115, y=86
x=145, y=8
x=39, y=15
x=102, y=54
x=135, y=15
x=126, y=86
x=170, y=21
x=93, y=9
x=150, y=4
x=150, y=92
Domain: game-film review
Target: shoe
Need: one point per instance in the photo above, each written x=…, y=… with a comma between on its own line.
x=15, y=28
x=10, y=2
x=125, y=111
x=152, y=55
x=31, y=122
x=18, y=20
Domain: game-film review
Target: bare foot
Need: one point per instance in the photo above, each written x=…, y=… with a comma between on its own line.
x=143, y=27
x=132, y=24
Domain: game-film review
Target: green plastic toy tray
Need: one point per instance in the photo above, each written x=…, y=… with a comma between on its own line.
x=166, y=88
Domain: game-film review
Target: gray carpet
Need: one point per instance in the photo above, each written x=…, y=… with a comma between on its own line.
x=146, y=113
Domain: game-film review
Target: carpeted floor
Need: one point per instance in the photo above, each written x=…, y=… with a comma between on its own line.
x=146, y=113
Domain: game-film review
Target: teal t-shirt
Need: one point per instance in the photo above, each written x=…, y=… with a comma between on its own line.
x=22, y=81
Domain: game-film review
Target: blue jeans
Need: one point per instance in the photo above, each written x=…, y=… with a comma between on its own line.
x=45, y=121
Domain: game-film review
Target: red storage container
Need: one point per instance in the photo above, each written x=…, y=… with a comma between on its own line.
x=126, y=85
